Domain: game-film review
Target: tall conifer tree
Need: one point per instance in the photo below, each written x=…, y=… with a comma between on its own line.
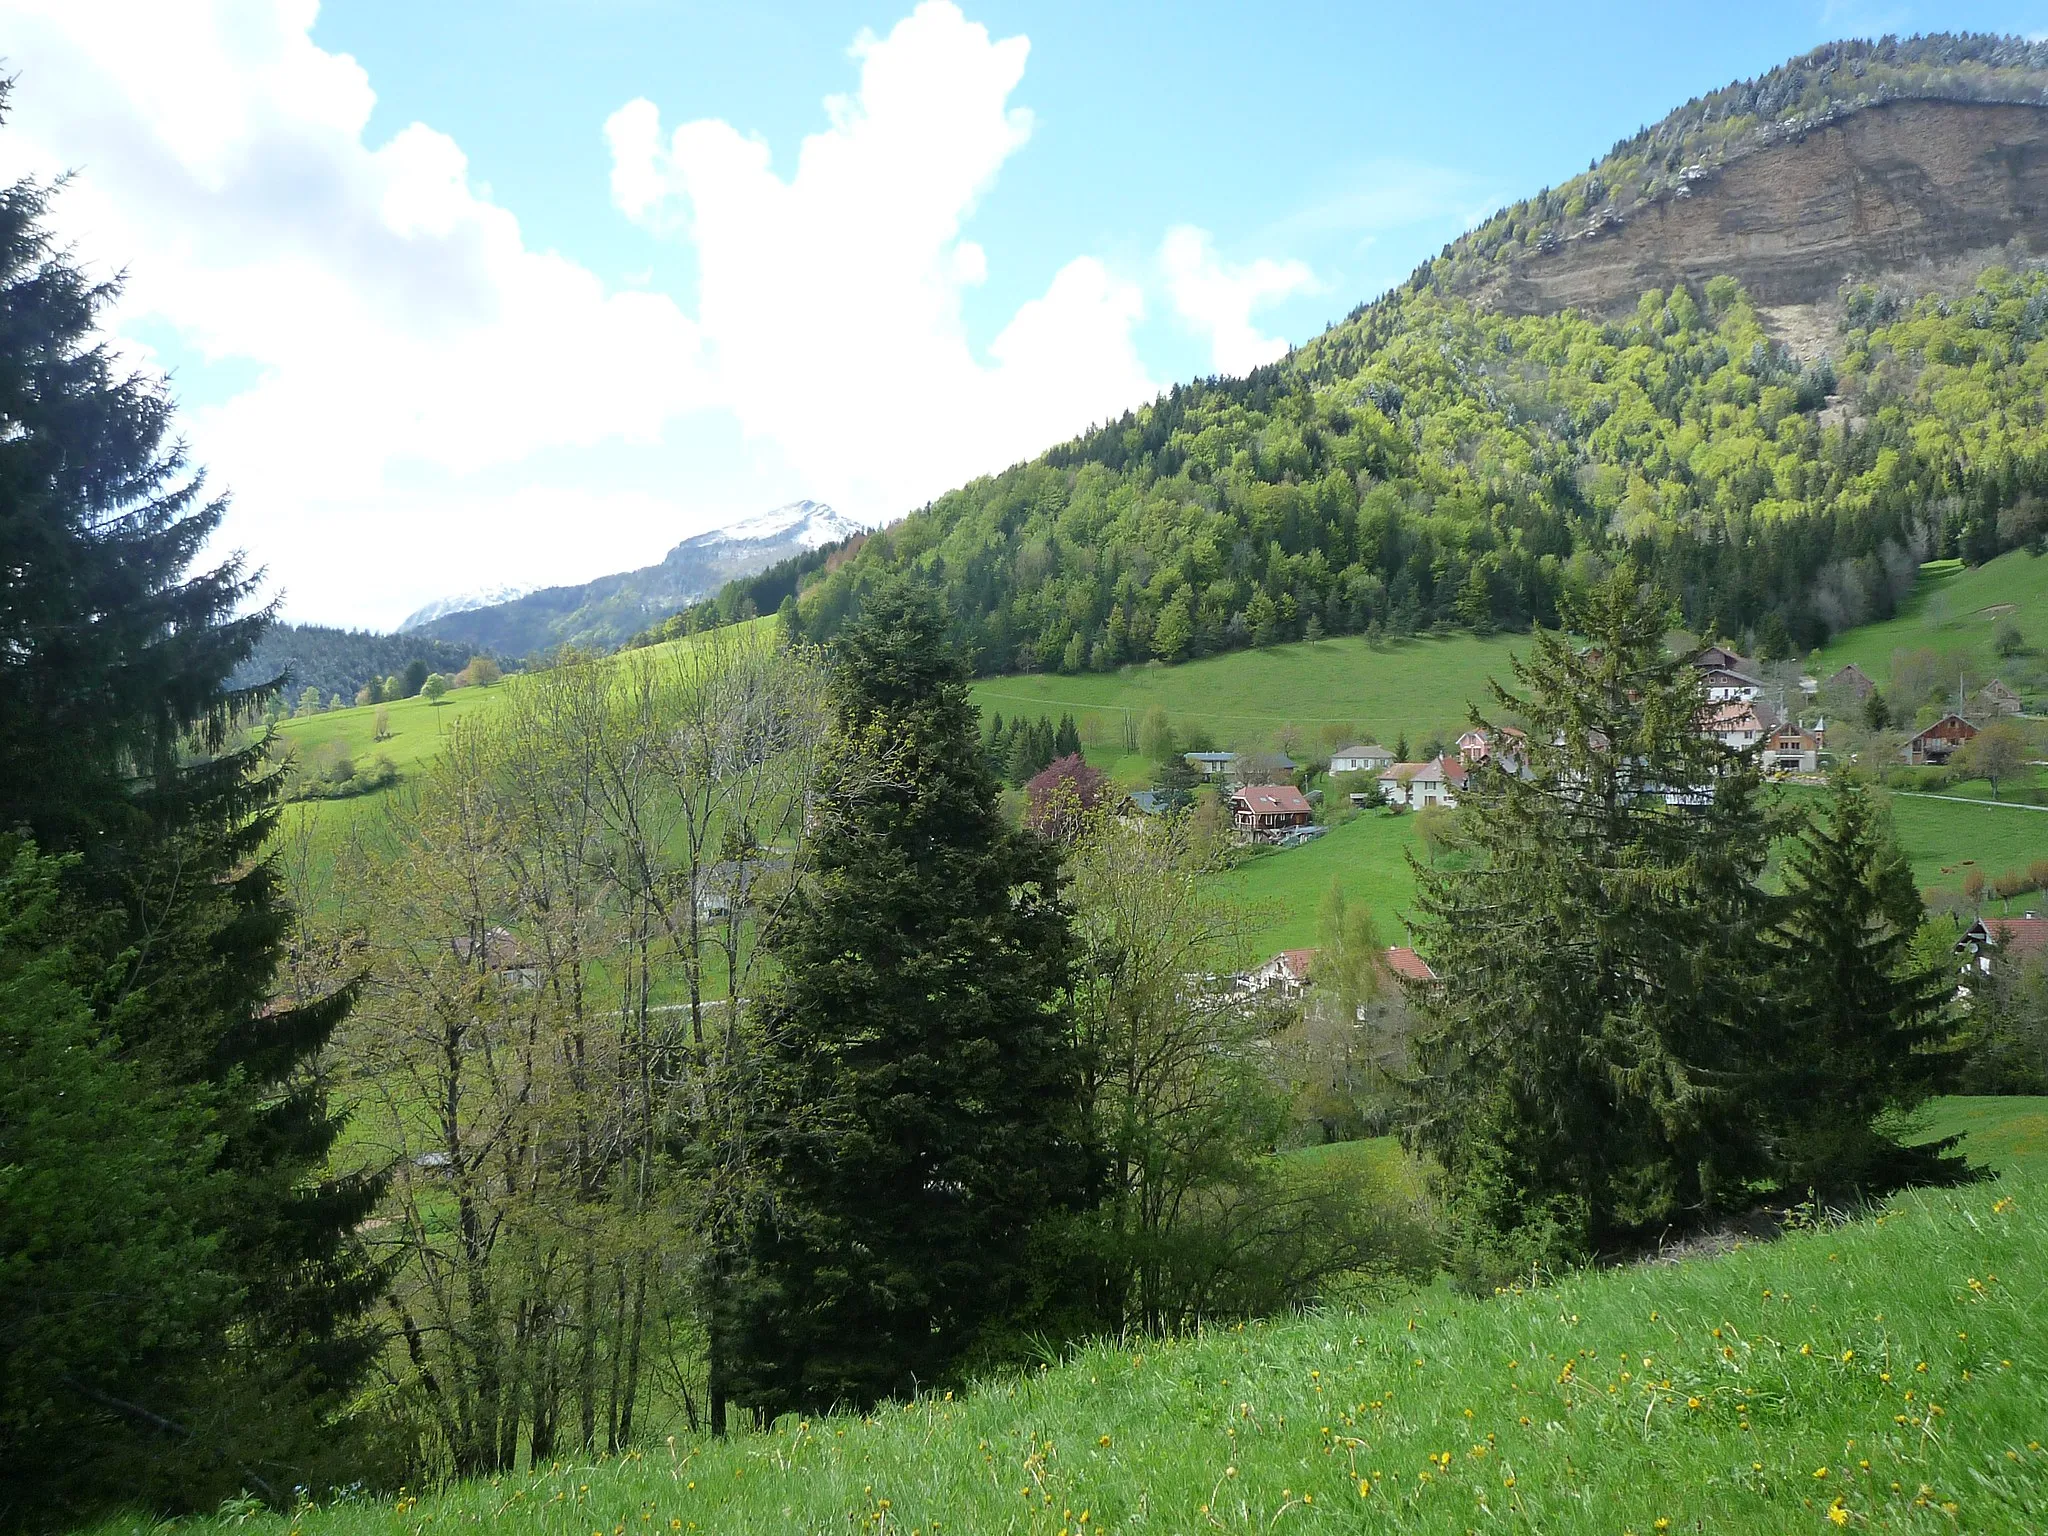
x=921, y=1084
x=1583, y=1061
x=115, y=751
x=1864, y=1039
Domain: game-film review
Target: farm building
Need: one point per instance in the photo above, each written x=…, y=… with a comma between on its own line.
x=1853, y=681
x=1994, y=698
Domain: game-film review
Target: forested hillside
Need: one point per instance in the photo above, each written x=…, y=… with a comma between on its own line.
x=1429, y=462
x=339, y=661
x=1432, y=461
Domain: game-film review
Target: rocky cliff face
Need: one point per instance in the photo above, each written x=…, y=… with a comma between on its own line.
x=1924, y=193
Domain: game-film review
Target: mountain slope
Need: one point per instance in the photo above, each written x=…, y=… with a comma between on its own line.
x=610, y=610
x=1442, y=458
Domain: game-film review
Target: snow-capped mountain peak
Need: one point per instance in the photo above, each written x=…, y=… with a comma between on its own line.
x=465, y=602
x=810, y=524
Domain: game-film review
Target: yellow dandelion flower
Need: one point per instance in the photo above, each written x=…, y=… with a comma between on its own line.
x=1364, y=1487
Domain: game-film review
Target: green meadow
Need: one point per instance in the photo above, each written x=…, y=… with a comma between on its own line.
x=1889, y=1374
x=1419, y=687
x=1955, y=613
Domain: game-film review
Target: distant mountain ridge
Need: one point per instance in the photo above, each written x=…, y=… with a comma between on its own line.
x=612, y=609
x=463, y=602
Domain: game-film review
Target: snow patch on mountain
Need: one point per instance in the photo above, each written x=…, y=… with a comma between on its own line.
x=464, y=602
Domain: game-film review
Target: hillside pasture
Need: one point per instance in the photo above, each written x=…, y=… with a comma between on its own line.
x=1955, y=612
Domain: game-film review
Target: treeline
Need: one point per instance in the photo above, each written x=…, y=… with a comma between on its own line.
x=1020, y=749
x=342, y=661
x=1432, y=464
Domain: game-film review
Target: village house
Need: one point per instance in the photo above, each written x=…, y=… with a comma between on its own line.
x=1476, y=746
x=1990, y=943
x=1408, y=965
x=1738, y=724
x=1265, y=811
x=1852, y=681
x=1724, y=685
x=499, y=955
x=1364, y=757
x=1711, y=657
x=1211, y=765
x=1994, y=698
x=1286, y=973
x=1414, y=785
x=1938, y=742
x=1792, y=750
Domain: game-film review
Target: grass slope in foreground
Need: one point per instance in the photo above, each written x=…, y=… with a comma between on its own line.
x=1887, y=1375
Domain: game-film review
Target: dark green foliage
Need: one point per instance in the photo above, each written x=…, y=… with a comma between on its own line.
x=1582, y=1067
x=1066, y=741
x=413, y=678
x=1864, y=1026
x=340, y=660
x=2006, y=1029
x=111, y=737
x=921, y=1083
x=108, y=1275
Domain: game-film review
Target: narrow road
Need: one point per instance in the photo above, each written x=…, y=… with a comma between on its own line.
x=2004, y=805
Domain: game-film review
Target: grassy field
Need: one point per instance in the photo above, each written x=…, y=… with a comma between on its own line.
x=1419, y=687
x=1954, y=612
x=1887, y=1375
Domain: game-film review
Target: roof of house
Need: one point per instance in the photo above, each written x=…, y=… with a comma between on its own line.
x=1294, y=963
x=1152, y=802
x=1210, y=757
x=1363, y=749
x=2020, y=936
x=1996, y=689
x=1735, y=715
x=1272, y=800
x=1851, y=676
x=1448, y=768
x=1795, y=736
x=1718, y=656
x=1403, y=961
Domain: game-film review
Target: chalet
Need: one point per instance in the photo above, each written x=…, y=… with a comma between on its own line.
x=1287, y=973
x=1725, y=685
x=1939, y=741
x=1736, y=724
x=1792, y=750
x=1361, y=757
x=1414, y=785
x=1994, y=698
x=1997, y=941
x=1211, y=765
x=1852, y=681
x=1267, y=810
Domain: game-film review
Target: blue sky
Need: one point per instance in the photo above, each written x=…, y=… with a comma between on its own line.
x=449, y=301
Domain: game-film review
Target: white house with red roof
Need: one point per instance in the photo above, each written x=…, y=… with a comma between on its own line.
x=1414, y=785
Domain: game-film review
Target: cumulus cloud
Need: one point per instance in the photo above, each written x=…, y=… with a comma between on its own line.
x=830, y=303
x=392, y=313
x=1217, y=299
x=410, y=398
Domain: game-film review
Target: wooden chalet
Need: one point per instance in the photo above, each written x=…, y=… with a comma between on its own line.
x=1937, y=744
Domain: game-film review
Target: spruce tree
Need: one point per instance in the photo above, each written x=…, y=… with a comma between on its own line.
x=1583, y=1062
x=115, y=753
x=1864, y=1036
x=920, y=1084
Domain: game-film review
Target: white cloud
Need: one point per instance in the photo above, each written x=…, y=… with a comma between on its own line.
x=830, y=302
x=414, y=400
x=1217, y=299
x=394, y=315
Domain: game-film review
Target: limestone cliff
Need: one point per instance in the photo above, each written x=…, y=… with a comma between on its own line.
x=1921, y=193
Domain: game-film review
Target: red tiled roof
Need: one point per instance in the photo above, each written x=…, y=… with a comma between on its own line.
x=1297, y=962
x=2019, y=936
x=1273, y=800
x=1403, y=961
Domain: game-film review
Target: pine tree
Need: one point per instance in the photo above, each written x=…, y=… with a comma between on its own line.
x=921, y=1085
x=1583, y=1061
x=1865, y=1026
x=115, y=755
x=1066, y=740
